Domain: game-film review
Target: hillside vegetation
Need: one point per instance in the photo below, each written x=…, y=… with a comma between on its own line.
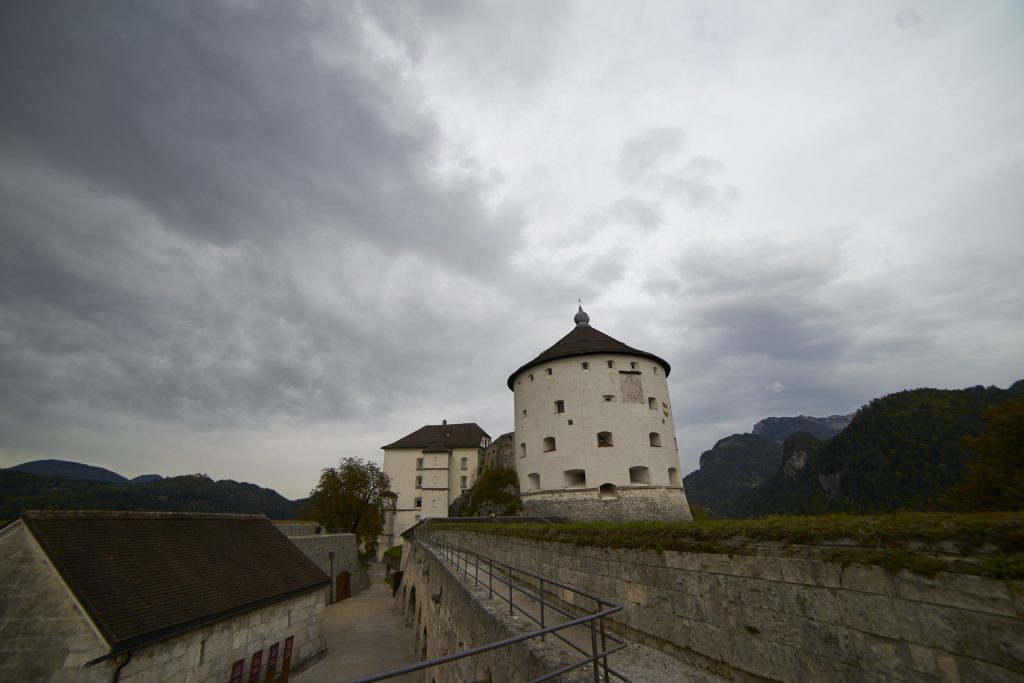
x=189, y=493
x=905, y=451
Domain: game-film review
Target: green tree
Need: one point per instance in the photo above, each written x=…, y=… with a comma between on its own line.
x=353, y=497
x=996, y=480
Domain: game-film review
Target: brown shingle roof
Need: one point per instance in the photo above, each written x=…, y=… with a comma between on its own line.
x=585, y=340
x=146, y=576
x=462, y=435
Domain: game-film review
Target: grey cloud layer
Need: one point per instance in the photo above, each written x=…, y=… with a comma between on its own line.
x=205, y=206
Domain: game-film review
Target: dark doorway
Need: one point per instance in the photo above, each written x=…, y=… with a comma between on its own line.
x=344, y=586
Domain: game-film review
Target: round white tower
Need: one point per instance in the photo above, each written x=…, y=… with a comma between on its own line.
x=594, y=434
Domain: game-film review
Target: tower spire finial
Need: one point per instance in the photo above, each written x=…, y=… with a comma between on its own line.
x=581, y=319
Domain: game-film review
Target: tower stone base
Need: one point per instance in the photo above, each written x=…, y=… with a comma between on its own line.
x=630, y=503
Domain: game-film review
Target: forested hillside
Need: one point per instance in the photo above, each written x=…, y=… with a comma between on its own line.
x=189, y=493
x=904, y=451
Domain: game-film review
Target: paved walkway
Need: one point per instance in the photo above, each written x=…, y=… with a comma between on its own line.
x=364, y=636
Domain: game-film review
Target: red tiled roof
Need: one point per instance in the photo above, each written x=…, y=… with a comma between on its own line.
x=462, y=435
x=146, y=576
x=585, y=340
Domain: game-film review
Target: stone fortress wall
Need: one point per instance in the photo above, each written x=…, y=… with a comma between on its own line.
x=786, y=614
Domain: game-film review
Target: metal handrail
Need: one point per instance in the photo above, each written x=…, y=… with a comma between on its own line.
x=598, y=657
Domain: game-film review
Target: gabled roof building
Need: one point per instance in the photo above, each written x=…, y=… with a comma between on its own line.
x=152, y=596
x=429, y=469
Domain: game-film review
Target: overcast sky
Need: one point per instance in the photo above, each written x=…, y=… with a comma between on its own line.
x=249, y=239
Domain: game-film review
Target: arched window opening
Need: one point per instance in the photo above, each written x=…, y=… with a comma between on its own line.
x=533, y=482
x=608, y=398
x=559, y=406
x=418, y=503
x=652, y=403
x=585, y=365
x=639, y=475
x=549, y=371
x=522, y=450
x=419, y=482
x=611, y=364
x=575, y=479
x=549, y=444
x=634, y=365
x=673, y=477
x=655, y=438
x=608, y=492
x=604, y=439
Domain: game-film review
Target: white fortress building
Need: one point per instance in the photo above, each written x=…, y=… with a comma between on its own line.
x=595, y=438
x=429, y=469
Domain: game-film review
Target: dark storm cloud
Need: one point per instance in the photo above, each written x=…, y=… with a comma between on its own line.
x=203, y=206
x=230, y=122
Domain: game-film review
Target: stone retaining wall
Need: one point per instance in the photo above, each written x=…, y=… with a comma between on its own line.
x=449, y=615
x=630, y=504
x=788, y=614
x=346, y=559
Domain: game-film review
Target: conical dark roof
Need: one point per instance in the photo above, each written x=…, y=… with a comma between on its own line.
x=585, y=340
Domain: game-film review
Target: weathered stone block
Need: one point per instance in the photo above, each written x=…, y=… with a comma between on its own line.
x=957, y=590
x=867, y=579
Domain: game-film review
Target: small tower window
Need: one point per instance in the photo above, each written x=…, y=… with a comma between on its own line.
x=608, y=492
x=524, y=412
x=633, y=365
x=585, y=365
x=559, y=406
x=611, y=364
x=531, y=377
x=673, y=477
x=416, y=518
x=419, y=482
x=608, y=398
x=533, y=482
x=639, y=475
x=522, y=450
x=655, y=369
x=652, y=403
x=655, y=438
x=465, y=462
x=549, y=444
x=418, y=503
x=549, y=371
x=604, y=439
x=462, y=482
x=575, y=479
x=419, y=463
x=570, y=422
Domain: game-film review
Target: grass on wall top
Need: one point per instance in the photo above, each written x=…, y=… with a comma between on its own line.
x=910, y=540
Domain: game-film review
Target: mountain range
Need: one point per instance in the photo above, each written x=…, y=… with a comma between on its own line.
x=903, y=451
x=741, y=462
x=65, y=485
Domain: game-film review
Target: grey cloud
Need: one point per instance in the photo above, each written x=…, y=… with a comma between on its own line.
x=229, y=123
x=636, y=212
x=646, y=152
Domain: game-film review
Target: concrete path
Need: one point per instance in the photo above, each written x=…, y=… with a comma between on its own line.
x=364, y=636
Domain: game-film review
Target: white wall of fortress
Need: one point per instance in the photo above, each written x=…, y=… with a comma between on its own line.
x=629, y=400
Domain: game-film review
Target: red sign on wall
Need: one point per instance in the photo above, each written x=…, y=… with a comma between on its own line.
x=254, y=668
x=236, y=671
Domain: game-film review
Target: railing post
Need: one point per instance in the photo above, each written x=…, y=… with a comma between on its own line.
x=604, y=642
x=490, y=578
x=509, y=590
x=593, y=644
x=541, y=594
x=476, y=570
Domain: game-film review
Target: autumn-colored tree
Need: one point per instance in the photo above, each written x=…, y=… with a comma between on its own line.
x=353, y=497
x=996, y=480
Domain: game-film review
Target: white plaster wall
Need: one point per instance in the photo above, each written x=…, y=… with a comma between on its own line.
x=441, y=484
x=576, y=445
